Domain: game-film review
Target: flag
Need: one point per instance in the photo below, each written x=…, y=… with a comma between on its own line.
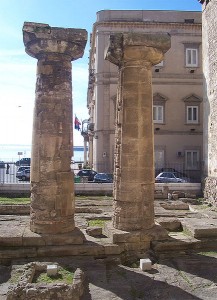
x=77, y=124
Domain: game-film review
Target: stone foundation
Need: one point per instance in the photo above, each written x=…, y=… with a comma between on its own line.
x=25, y=289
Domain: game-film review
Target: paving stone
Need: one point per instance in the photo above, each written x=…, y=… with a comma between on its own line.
x=201, y=228
x=170, y=224
x=175, y=205
x=94, y=231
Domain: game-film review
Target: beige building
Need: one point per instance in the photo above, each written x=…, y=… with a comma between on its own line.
x=177, y=89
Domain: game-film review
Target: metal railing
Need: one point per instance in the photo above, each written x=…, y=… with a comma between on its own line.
x=9, y=169
x=8, y=172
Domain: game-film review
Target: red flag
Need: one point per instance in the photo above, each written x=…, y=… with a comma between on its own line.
x=77, y=123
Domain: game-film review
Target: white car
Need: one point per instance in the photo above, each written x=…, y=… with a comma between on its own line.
x=174, y=177
x=23, y=173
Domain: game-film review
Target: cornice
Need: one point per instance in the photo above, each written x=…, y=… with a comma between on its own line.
x=145, y=25
x=177, y=76
x=170, y=25
x=175, y=132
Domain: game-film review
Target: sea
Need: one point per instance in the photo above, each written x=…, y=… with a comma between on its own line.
x=12, y=153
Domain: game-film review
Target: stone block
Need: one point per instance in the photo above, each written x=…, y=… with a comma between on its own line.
x=170, y=224
x=71, y=250
x=145, y=264
x=52, y=270
x=156, y=232
x=112, y=249
x=31, y=238
x=17, y=252
x=175, y=196
x=201, y=228
x=177, y=205
x=94, y=231
x=11, y=233
x=178, y=194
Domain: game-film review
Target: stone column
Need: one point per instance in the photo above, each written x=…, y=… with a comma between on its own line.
x=135, y=54
x=209, y=37
x=52, y=186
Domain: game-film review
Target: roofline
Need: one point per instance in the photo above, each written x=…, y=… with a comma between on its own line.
x=154, y=10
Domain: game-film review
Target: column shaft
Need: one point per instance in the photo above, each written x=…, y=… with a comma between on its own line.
x=133, y=194
x=52, y=186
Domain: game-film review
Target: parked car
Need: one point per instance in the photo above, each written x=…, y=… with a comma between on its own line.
x=23, y=173
x=174, y=177
x=103, y=178
x=2, y=165
x=23, y=162
x=87, y=173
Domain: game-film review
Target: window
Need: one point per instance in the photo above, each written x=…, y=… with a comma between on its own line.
x=192, y=159
x=191, y=57
x=192, y=114
x=159, y=103
x=158, y=113
x=192, y=109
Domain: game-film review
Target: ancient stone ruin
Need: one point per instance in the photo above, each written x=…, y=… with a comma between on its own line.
x=135, y=54
x=210, y=100
x=52, y=190
x=26, y=288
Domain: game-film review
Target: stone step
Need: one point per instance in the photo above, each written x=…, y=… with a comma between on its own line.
x=181, y=243
x=200, y=228
x=88, y=248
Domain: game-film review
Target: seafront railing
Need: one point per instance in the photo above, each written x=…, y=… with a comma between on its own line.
x=8, y=172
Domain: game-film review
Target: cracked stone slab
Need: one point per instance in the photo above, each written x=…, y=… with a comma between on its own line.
x=175, y=205
x=201, y=228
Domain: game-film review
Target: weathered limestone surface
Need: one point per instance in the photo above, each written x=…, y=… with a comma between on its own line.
x=134, y=54
x=52, y=189
x=26, y=289
x=209, y=21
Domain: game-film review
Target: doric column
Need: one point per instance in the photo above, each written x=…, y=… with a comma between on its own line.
x=135, y=54
x=52, y=186
x=209, y=38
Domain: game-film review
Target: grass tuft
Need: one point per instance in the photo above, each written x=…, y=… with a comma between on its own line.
x=63, y=276
x=96, y=222
x=10, y=200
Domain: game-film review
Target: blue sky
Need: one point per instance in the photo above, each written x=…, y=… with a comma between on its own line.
x=17, y=69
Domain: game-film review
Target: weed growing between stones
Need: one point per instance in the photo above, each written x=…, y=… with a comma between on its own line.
x=186, y=232
x=96, y=222
x=185, y=277
x=63, y=276
x=210, y=253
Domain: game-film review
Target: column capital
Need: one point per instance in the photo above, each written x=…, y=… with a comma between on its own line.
x=131, y=47
x=41, y=39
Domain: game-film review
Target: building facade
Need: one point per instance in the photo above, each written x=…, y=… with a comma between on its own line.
x=177, y=89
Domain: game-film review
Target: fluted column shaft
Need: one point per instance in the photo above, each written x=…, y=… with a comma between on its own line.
x=134, y=156
x=52, y=185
